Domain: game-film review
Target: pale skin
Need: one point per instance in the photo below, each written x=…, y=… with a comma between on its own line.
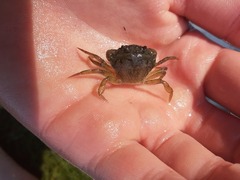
x=137, y=134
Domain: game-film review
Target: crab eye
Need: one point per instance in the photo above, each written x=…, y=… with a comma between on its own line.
x=152, y=52
x=110, y=53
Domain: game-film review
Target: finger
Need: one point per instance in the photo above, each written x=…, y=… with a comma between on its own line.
x=10, y=169
x=211, y=15
x=190, y=159
x=100, y=140
x=222, y=81
x=149, y=16
x=133, y=161
x=217, y=131
x=18, y=90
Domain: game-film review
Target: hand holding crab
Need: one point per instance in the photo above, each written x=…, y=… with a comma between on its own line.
x=130, y=64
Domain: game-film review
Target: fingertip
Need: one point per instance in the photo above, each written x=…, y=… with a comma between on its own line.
x=222, y=81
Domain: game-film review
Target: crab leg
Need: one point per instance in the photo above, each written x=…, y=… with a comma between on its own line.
x=166, y=59
x=102, y=86
x=93, y=71
x=93, y=57
x=167, y=87
x=160, y=73
x=102, y=64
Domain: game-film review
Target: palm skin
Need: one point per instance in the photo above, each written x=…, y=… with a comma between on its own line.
x=137, y=134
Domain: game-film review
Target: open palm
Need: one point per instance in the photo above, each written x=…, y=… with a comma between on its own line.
x=137, y=133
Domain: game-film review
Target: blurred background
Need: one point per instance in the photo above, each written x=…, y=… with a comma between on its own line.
x=31, y=154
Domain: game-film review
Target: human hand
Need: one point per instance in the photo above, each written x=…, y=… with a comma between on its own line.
x=137, y=134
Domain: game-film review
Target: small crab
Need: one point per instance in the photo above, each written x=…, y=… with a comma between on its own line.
x=130, y=64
